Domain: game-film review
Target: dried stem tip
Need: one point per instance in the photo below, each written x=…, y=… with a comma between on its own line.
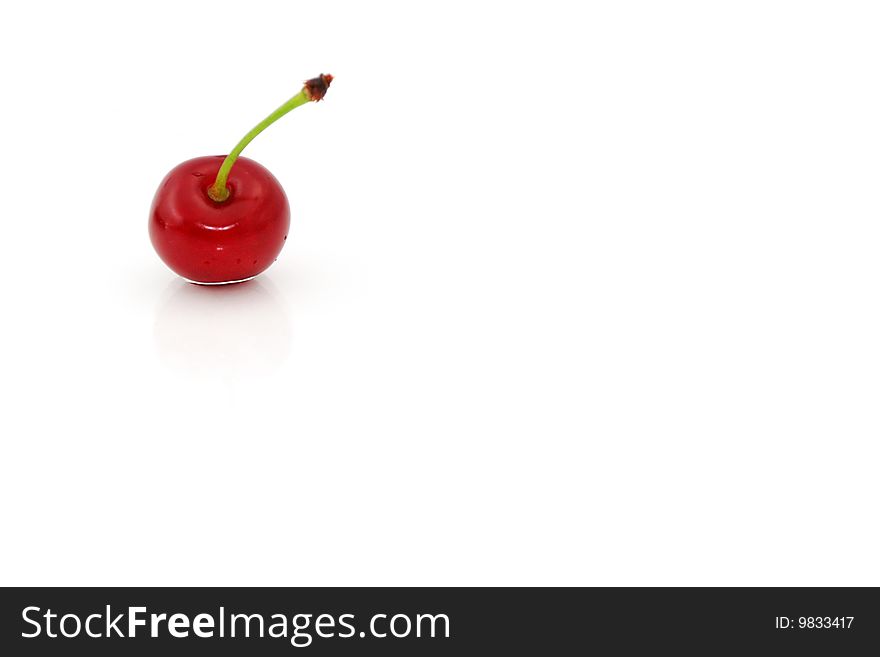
x=317, y=87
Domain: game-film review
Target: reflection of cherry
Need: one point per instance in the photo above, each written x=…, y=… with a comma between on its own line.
x=223, y=332
x=212, y=223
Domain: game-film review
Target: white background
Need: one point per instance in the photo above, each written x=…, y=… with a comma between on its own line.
x=576, y=293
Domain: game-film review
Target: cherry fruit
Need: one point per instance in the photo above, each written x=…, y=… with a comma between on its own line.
x=212, y=222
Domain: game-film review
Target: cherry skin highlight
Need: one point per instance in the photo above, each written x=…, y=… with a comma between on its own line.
x=206, y=241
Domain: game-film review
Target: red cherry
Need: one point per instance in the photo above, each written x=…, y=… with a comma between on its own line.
x=207, y=241
x=224, y=219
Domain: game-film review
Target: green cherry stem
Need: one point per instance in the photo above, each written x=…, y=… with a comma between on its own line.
x=313, y=89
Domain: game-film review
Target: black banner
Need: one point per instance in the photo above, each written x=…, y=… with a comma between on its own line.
x=432, y=621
